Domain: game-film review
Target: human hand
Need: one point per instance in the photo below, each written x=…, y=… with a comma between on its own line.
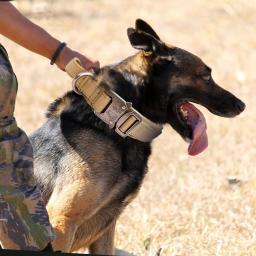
x=67, y=54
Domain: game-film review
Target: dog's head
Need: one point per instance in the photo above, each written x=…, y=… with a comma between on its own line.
x=188, y=79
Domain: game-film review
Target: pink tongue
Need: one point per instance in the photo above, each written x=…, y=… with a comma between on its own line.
x=196, y=121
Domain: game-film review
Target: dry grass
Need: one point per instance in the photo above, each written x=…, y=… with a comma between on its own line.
x=186, y=205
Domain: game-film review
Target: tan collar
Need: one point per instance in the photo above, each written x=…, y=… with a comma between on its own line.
x=110, y=107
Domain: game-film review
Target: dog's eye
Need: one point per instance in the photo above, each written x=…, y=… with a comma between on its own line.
x=206, y=77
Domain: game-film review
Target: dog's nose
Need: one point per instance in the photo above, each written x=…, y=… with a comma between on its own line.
x=240, y=106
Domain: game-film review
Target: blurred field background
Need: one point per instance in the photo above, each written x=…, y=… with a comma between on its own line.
x=189, y=206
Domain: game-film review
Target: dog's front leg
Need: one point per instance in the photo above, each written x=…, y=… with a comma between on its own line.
x=63, y=217
x=105, y=243
x=65, y=231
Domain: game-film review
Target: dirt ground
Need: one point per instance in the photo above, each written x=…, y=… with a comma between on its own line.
x=189, y=206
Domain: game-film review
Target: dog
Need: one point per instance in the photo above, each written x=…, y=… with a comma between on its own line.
x=88, y=173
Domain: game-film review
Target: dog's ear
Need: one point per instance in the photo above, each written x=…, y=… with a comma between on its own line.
x=144, y=41
x=145, y=27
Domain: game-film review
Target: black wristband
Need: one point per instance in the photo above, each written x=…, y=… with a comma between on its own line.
x=57, y=52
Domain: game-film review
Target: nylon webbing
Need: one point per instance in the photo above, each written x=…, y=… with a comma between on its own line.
x=130, y=123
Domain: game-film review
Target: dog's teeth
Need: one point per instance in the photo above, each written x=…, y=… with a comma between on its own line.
x=187, y=140
x=184, y=113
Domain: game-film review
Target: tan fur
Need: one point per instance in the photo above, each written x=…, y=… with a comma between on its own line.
x=138, y=63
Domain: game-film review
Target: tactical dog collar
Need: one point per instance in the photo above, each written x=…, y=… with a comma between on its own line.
x=110, y=107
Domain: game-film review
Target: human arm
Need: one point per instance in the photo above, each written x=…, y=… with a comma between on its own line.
x=21, y=30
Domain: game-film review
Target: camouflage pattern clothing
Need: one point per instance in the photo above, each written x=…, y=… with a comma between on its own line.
x=24, y=222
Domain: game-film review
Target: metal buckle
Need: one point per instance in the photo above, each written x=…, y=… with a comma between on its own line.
x=80, y=75
x=117, y=113
x=117, y=107
x=123, y=119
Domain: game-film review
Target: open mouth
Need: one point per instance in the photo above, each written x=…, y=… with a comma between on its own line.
x=195, y=120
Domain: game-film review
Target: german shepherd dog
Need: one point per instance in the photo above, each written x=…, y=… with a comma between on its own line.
x=87, y=173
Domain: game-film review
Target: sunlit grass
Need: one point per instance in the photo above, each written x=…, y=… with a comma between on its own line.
x=187, y=206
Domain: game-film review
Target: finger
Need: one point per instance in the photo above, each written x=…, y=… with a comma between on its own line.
x=88, y=64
